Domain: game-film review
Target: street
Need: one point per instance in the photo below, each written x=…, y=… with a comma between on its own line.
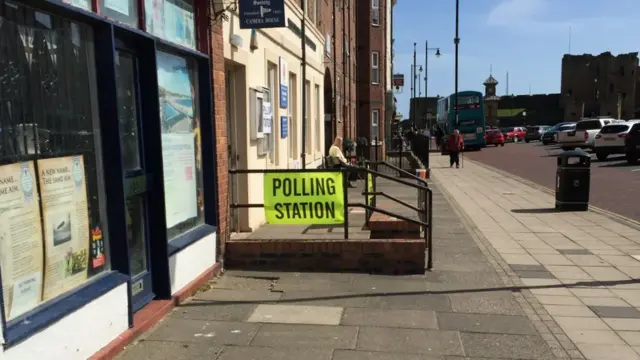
x=614, y=184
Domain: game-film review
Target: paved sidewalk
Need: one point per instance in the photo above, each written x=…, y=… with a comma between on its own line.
x=461, y=311
x=582, y=267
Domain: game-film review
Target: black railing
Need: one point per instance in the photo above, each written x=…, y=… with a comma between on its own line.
x=423, y=209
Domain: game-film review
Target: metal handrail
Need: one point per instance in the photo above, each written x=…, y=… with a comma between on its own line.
x=400, y=170
x=425, y=213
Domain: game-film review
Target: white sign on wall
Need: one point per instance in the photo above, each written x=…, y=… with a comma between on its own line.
x=284, y=84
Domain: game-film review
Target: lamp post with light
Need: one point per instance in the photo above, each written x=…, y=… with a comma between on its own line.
x=426, y=71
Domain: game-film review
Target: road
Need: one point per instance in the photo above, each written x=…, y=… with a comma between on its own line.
x=615, y=186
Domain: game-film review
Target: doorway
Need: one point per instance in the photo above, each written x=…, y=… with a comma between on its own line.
x=329, y=129
x=135, y=175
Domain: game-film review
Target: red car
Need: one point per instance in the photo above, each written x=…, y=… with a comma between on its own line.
x=494, y=137
x=514, y=133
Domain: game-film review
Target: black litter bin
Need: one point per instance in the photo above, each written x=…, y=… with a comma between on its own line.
x=573, y=181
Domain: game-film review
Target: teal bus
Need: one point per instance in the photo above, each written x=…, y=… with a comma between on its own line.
x=471, y=122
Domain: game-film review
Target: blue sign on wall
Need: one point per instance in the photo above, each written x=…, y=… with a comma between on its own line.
x=284, y=96
x=258, y=14
x=284, y=126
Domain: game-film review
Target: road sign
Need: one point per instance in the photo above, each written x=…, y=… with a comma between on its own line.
x=258, y=14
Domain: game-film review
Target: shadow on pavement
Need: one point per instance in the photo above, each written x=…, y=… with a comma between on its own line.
x=535, y=211
x=579, y=284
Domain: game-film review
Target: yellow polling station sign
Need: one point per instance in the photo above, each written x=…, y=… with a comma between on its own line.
x=304, y=198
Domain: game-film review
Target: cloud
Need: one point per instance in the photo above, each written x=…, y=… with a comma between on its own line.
x=532, y=16
x=510, y=12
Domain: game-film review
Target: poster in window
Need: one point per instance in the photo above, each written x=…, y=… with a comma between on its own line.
x=66, y=223
x=180, y=188
x=178, y=23
x=21, y=248
x=121, y=6
x=267, y=118
x=180, y=142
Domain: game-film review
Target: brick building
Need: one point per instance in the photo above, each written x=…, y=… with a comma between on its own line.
x=334, y=19
x=602, y=85
x=373, y=25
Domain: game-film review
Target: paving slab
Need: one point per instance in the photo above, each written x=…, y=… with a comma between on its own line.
x=498, y=324
x=625, y=312
x=478, y=345
x=269, y=353
x=214, y=333
x=416, y=319
x=306, y=336
x=375, y=355
x=324, y=298
x=296, y=314
x=170, y=350
x=489, y=302
x=416, y=341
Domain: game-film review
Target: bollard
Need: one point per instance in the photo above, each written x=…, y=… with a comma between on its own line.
x=421, y=174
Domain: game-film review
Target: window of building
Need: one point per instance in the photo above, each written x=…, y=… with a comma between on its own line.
x=315, y=11
x=308, y=118
x=124, y=11
x=327, y=45
x=172, y=20
x=375, y=67
x=51, y=191
x=569, y=92
x=318, y=122
x=375, y=12
x=375, y=121
x=269, y=130
x=181, y=143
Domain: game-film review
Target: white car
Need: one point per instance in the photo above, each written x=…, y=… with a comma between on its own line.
x=561, y=129
x=610, y=139
x=585, y=134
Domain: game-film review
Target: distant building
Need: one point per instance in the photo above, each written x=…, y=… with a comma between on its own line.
x=423, y=110
x=602, y=85
x=491, y=101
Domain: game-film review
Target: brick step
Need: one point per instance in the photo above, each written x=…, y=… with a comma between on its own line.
x=395, y=256
x=383, y=226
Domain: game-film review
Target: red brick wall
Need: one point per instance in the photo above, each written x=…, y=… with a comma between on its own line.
x=370, y=96
x=339, y=65
x=219, y=105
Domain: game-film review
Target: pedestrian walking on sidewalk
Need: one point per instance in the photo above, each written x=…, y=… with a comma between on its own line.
x=456, y=145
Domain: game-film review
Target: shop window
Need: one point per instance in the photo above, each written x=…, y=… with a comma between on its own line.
x=124, y=11
x=181, y=143
x=172, y=20
x=84, y=4
x=52, y=214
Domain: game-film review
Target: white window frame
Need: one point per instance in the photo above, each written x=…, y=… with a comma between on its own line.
x=375, y=12
x=270, y=142
x=375, y=124
x=318, y=129
x=308, y=137
x=375, y=67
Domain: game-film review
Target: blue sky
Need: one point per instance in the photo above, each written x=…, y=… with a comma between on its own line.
x=527, y=38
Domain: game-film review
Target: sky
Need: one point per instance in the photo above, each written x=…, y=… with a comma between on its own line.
x=526, y=38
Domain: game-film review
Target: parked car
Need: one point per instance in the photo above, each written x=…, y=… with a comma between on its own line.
x=534, y=133
x=514, y=133
x=611, y=139
x=632, y=144
x=549, y=136
x=494, y=137
x=584, y=136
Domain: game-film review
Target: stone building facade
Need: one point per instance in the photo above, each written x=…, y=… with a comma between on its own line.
x=600, y=85
x=491, y=101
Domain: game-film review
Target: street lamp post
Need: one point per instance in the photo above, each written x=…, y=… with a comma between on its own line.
x=419, y=82
x=456, y=42
x=426, y=71
x=413, y=87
